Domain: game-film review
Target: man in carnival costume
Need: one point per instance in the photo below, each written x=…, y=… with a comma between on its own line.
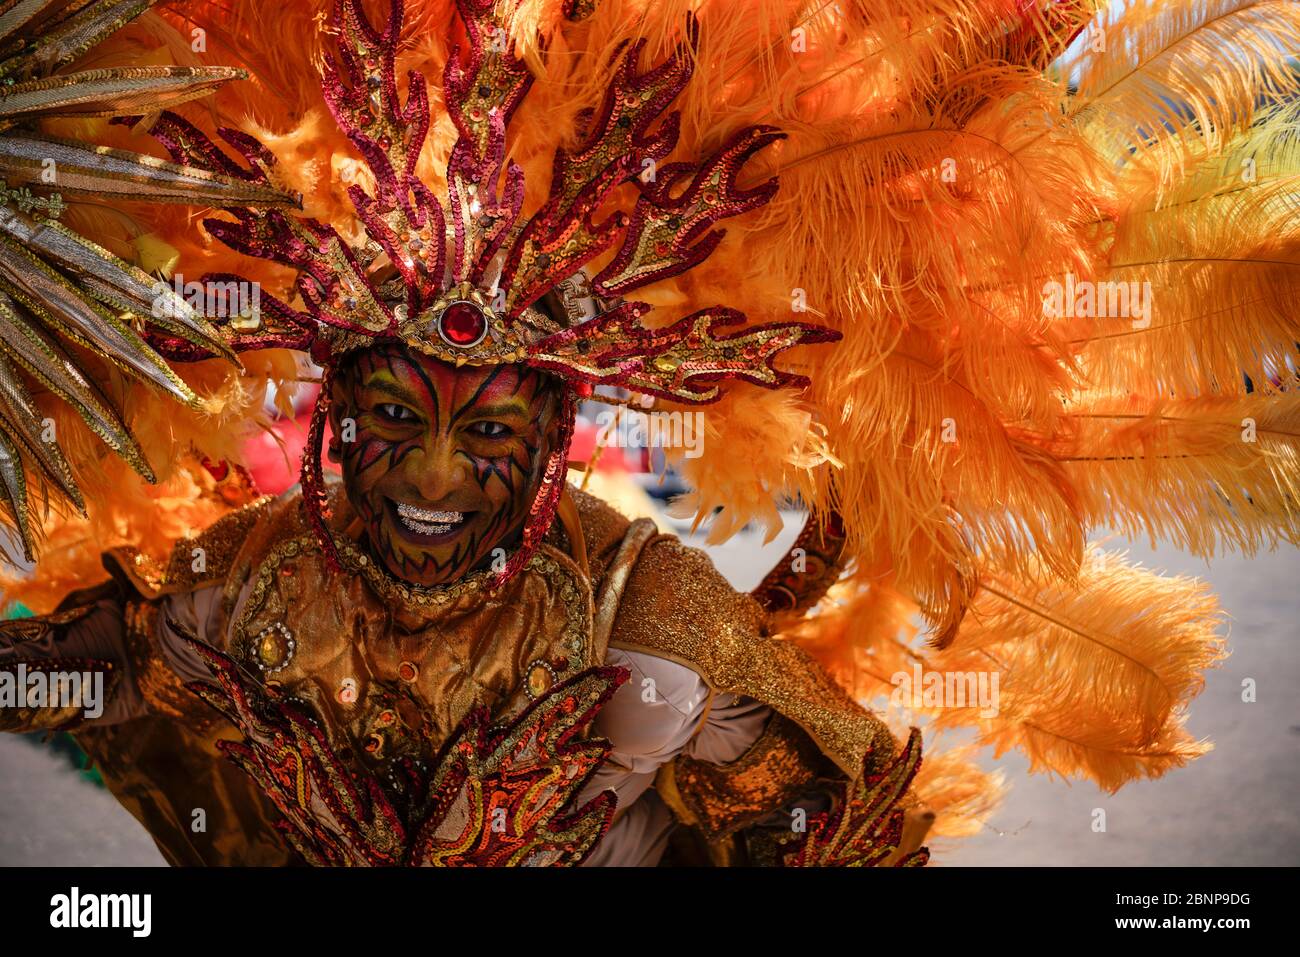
x=452, y=656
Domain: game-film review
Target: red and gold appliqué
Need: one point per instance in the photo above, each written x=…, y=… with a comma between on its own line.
x=491, y=796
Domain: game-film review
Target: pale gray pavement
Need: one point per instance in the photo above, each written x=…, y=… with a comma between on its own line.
x=1236, y=805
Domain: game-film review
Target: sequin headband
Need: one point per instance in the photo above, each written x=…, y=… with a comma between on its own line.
x=461, y=278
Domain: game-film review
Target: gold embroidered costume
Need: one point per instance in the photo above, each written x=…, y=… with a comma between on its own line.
x=388, y=680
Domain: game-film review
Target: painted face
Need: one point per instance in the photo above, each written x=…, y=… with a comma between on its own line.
x=444, y=462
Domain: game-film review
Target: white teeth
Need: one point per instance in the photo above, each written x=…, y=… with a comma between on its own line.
x=428, y=515
x=427, y=521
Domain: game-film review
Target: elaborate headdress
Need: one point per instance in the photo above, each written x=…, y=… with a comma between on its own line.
x=459, y=277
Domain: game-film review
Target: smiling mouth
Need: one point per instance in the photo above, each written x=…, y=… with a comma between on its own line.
x=426, y=524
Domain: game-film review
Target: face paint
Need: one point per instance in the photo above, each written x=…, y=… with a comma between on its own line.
x=445, y=461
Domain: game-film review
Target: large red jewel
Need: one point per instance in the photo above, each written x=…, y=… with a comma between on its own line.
x=462, y=324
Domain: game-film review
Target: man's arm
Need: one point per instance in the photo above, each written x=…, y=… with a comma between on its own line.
x=69, y=668
x=665, y=715
x=104, y=656
x=752, y=736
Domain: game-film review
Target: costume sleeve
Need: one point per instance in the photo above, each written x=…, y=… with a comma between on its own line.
x=648, y=722
x=665, y=712
x=126, y=653
x=678, y=606
x=70, y=668
x=779, y=737
x=165, y=662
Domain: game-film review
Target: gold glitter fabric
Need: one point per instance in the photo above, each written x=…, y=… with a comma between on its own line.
x=195, y=561
x=614, y=582
x=720, y=800
x=161, y=688
x=603, y=530
x=678, y=606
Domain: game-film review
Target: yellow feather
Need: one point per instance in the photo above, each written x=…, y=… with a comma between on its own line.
x=1208, y=474
x=1202, y=64
x=1220, y=251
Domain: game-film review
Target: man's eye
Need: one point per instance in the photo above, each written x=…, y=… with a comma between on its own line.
x=492, y=430
x=397, y=413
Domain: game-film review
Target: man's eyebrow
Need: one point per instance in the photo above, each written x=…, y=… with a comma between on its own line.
x=389, y=388
x=514, y=406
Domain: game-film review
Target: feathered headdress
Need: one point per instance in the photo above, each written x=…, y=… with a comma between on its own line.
x=459, y=277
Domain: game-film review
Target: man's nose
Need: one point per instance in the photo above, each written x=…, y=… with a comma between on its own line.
x=439, y=472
